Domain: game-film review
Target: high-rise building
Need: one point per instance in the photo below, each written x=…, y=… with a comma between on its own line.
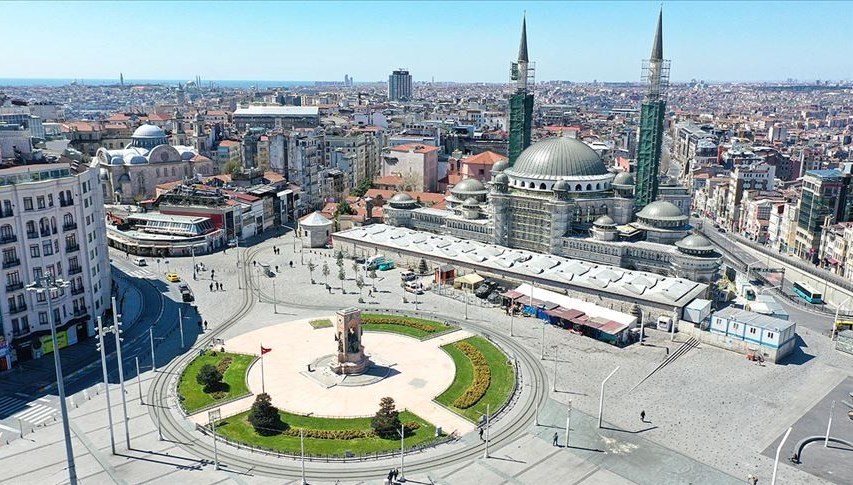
x=827, y=198
x=400, y=85
x=656, y=78
x=51, y=223
x=521, y=102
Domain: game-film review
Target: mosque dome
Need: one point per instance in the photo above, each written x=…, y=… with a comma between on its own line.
x=471, y=203
x=558, y=157
x=149, y=131
x=402, y=201
x=500, y=166
x=604, y=221
x=661, y=210
x=502, y=178
x=561, y=185
x=695, y=243
x=468, y=186
x=623, y=178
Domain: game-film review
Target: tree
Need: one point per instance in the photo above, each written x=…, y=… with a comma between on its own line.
x=386, y=421
x=339, y=259
x=344, y=209
x=311, y=268
x=422, y=267
x=355, y=267
x=326, y=271
x=342, y=275
x=362, y=187
x=209, y=377
x=264, y=416
x=359, y=282
x=231, y=166
x=372, y=276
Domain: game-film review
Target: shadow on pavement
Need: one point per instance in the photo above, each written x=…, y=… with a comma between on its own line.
x=798, y=356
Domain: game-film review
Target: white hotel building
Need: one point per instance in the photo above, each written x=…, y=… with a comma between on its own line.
x=51, y=222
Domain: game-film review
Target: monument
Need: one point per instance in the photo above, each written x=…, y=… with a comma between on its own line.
x=351, y=359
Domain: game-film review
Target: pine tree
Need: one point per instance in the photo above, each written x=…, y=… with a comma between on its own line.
x=264, y=416
x=386, y=422
x=422, y=267
x=209, y=377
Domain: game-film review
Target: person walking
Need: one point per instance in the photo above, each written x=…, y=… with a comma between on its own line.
x=212, y=272
x=556, y=439
x=205, y=324
x=481, y=434
x=396, y=474
x=211, y=286
x=643, y=415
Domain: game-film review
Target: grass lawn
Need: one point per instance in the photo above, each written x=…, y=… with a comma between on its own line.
x=500, y=388
x=321, y=323
x=418, y=328
x=237, y=428
x=234, y=380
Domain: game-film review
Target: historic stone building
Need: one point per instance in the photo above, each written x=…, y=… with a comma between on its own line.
x=131, y=174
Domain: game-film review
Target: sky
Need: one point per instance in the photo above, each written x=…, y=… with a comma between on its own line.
x=445, y=41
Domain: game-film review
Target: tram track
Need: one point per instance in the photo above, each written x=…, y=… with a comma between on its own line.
x=504, y=431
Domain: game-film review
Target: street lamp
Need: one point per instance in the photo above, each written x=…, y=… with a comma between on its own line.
x=601, y=397
x=778, y=452
x=101, y=333
x=117, y=333
x=47, y=285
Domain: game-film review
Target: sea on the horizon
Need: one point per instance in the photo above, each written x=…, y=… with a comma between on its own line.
x=55, y=82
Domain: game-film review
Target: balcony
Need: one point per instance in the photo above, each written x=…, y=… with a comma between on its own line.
x=8, y=213
x=45, y=233
x=66, y=203
x=14, y=310
x=8, y=238
x=80, y=311
x=11, y=263
x=70, y=226
x=14, y=286
x=75, y=270
x=70, y=248
x=20, y=332
x=32, y=235
x=77, y=290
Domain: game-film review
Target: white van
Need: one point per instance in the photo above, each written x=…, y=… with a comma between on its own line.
x=140, y=262
x=373, y=262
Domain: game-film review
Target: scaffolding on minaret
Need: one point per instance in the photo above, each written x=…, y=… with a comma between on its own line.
x=522, y=74
x=655, y=77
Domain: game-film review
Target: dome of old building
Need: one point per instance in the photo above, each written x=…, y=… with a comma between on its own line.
x=604, y=221
x=500, y=166
x=402, y=201
x=623, y=178
x=561, y=186
x=148, y=136
x=471, y=203
x=695, y=244
x=468, y=186
x=502, y=178
x=558, y=157
x=661, y=210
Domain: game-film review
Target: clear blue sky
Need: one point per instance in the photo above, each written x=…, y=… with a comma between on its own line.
x=456, y=41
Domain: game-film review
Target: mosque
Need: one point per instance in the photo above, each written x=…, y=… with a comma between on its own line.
x=131, y=174
x=558, y=197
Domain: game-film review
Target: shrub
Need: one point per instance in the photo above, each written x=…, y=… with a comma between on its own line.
x=223, y=364
x=482, y=376
x=332, y=434
x=386, y=422
x=209, y=377
x=264, y=416
x=219, y=394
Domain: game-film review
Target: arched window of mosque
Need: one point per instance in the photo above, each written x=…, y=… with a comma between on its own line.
x=578, y=187
x=588, y=186
x=541, y=186
x=597, y=186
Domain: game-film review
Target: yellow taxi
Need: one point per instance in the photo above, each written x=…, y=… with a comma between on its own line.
x=173, y=277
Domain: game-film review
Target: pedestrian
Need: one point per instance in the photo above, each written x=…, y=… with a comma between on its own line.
x=205, y=324
x=643, y=415
x=481, y=434
x=396, y=474
x=556, y=437
x=276, y=268
x=254, y=263
x=212, y=273
x=390, y=475
x=222, y=286
x=211, y=286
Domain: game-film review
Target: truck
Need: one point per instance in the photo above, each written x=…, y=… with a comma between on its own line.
x=373, y=262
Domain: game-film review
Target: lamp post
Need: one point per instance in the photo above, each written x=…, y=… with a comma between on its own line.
x=829, y=425
x=153, y=361
x=642, y=328
x=488, y=425
x=47, y=284
x=237, y=250
x=402, y=451
x=835, y=322
x=274, y=304
x=542, y=347
x=212, y=416
x=302, y=452
x=778, y=451
x=181, y=325
x=568, y=422
x=139, y=379
x=106, y=384
x=556, y=354
x=601, y=396
x=117, y=335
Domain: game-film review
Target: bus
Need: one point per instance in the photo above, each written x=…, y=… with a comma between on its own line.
x=807, y=293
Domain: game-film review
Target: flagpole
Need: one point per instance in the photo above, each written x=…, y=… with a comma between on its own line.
x=263, y=388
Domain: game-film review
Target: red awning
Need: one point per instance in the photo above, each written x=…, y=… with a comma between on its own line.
x=512, y=294
x=565, y=313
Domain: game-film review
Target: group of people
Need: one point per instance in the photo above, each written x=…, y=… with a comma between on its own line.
x=216, y=286
x=393, y=474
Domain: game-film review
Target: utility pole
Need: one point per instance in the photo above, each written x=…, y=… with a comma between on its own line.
x=829, y=425
x=778, y=452
x=139, y=379
x=106, y=384
x=601, y=397
x=568, y=422
x=302, y=448
x=402, y=452
x=151, y=336
x=556, y=354
x=486, y=455
x=117, y=333
x=181, y=325
x=212, y=416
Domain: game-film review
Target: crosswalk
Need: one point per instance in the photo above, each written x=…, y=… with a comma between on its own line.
x=34, y=413
x=141, y=273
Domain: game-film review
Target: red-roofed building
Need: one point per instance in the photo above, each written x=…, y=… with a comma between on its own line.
x=478, y=166
x=416, y=164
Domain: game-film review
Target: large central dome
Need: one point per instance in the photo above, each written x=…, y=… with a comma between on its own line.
x=556, y=158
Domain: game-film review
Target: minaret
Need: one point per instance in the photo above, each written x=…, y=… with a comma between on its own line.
x=521, y=102
x=121, y=78
x=656, y=79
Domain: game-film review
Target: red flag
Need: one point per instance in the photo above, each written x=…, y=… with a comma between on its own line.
x=264, y=351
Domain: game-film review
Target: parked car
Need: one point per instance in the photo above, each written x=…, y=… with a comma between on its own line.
x=408, y=275
x=173, y=277
x=485, y=288
x=186, y=292
x=140, y=262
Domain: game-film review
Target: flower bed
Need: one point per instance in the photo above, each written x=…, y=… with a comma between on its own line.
x=482, y=377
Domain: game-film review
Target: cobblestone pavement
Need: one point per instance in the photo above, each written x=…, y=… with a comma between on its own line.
x=709, y=405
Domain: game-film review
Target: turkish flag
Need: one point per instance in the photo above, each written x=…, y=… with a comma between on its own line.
x=264, y=351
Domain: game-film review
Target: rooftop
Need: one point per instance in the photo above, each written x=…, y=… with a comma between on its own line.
x=254, y=110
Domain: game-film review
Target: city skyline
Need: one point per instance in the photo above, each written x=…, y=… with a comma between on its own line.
x=579, y=42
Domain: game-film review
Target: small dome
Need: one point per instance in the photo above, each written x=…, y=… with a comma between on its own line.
x=695, y=242
x=468, y=186
x=604, y=221
x=116, y=160
x=561, y=186
x=623, y=178
x=502, y=179
x=500, y=166
x=661, y=210
x=471, y=203
x=401, y=197
x=138, y=160
x=148, y=131
x=556, y=158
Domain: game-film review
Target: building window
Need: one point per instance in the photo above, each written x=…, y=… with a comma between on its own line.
x=47, y=248
x=769, y=334
x=42, y=318
x=28, y=203
x=40, y=202
x=50, y=200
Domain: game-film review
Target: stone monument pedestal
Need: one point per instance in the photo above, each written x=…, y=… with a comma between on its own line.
x=350, y=359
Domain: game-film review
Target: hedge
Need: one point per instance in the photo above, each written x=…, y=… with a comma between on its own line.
x=482, y=377
x=431, y=327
